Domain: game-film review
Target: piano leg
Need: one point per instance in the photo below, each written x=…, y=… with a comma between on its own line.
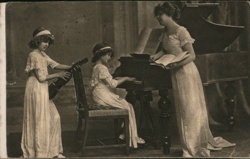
x=164, y=105
x=230, y=92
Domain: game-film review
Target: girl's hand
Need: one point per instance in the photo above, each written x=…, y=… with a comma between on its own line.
x=157, y=56
x=64, y=75
x=171, y=66
x=153, y=57
x=130, y=79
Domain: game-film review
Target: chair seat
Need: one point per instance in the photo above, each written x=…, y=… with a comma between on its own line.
x=104, y=111
x=109, y=112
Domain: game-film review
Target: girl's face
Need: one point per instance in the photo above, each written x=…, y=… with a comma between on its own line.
x=163, y=18
x=106, y=58
x=46, y=41
x=43, y=46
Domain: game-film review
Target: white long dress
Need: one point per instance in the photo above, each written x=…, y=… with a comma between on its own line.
x=102, y=83
x=41, y=137
x=191, y=112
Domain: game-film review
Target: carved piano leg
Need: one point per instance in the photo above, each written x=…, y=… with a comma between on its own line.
x=230, y=103
x=164, y=105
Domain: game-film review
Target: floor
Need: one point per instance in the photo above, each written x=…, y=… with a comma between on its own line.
x=240, y=135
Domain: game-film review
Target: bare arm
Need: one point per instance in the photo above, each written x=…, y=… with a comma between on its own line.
x=42, y=78
x=123, y=79
x=187, y=47
x=115, y=82
x=62, y=67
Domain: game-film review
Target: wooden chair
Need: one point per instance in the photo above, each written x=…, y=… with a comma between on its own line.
x=86, y=113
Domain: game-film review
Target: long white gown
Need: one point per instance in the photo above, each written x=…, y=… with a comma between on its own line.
x=41, y=136
x=102, y=83
x=195, y=135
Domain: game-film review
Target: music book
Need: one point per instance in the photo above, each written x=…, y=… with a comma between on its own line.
x=170, y=58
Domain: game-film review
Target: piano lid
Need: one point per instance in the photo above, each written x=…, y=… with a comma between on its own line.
x=209, y=37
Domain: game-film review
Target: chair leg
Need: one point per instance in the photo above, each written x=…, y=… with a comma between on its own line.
x=85, y=134
x=78, y=130
x=127, y=136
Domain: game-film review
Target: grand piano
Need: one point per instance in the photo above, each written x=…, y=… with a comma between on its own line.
x=213, y=62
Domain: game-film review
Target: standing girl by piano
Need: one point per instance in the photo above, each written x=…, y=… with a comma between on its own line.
x=41, y=136
x=102, y=83
x=195, y=135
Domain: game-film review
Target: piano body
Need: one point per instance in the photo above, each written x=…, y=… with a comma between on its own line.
x=214, y=65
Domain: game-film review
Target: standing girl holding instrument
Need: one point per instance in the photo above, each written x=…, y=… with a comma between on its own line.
x=41, y=137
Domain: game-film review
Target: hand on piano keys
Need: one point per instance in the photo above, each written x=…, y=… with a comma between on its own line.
x=133, y=80
x=130, y=80
x=137, y=82
x=126, y=78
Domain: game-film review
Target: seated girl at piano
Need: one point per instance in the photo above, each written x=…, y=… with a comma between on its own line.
x=195, y=135
x=41, y=136
x=102, y=84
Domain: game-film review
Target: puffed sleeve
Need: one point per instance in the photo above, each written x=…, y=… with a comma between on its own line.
x=51, y=62
x=36, y=63
x=185, y=37
x=106, y=76
x=33, y=62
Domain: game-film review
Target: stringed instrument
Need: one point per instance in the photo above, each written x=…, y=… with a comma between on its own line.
x=55, y=86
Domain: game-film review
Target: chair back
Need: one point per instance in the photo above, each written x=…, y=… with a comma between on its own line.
x=81, y=98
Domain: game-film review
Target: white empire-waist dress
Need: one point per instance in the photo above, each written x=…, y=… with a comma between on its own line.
x=191, y=112
x=102, y=84
x=41, y=136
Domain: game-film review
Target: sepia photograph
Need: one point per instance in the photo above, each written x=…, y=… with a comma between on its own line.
x=125, y=79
